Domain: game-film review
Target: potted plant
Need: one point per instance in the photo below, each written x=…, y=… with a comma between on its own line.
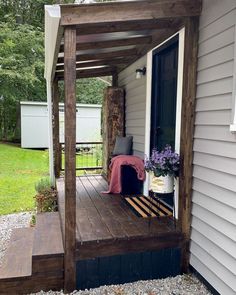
x=163, y=167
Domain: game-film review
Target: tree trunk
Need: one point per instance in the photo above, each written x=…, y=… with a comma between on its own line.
x=17, y=130
x=113, y=123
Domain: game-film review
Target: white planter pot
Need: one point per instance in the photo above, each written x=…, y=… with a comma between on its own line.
x=162, y=184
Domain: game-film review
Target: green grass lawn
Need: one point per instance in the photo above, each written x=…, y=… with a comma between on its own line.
x=93, y=158
x=20, y=169
x=85, y=160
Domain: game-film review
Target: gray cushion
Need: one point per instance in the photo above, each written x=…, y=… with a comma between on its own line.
x=123, y=146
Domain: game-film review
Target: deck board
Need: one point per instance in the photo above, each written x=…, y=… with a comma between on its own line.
x=106, y=225
x=48, y=239
x=18, y=263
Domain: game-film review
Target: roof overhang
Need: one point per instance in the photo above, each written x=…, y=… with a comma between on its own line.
x=111, y=35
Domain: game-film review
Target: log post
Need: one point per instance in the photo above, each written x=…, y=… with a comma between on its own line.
x=113, y=123
x=187, y=132
x=70, y=159
x=56, y=128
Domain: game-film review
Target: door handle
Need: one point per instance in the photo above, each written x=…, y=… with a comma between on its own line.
x=157, y=129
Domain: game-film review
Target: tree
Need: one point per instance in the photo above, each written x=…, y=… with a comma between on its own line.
x=22, y=62
x=27, y=11
x=88, y=90
x=21, y=71
x=21, y=59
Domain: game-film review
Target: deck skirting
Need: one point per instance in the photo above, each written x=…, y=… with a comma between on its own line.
x=125, y=268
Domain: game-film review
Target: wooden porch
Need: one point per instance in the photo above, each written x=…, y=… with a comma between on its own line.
x=99, y=40
x=106, y=225
x=115, y=245
x=94, y=40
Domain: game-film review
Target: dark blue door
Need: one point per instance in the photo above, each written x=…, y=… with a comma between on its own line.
x=164, y=92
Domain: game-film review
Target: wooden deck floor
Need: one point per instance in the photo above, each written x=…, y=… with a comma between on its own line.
x=106, y=225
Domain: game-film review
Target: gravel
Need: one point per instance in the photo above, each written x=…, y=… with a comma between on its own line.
x=179, y=285
x=9, y=222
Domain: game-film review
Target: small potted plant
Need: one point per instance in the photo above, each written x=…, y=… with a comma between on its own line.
x=163, y=167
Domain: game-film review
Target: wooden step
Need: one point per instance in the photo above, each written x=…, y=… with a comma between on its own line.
x=17, y=262
x=35, y=258
x=30, y=285
x=48, y=236
x=48, y=250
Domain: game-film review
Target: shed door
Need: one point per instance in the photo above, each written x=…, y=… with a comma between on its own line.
x=164, y=93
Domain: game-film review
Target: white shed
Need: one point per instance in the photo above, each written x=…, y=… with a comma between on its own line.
x=34, y=124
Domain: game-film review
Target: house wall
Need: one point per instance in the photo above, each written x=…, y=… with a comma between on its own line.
x=213, y=238
x=213, y=233
x=135, y=104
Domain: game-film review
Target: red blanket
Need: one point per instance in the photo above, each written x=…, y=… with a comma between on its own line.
x=115, y=166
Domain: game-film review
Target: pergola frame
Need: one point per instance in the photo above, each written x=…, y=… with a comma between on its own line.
x=82, y=46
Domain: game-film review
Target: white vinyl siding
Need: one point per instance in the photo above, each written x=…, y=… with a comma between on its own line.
x=135, y=98
x=213, y=228
x=213, y=236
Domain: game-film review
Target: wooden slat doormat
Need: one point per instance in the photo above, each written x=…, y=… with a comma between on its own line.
x=148, y=207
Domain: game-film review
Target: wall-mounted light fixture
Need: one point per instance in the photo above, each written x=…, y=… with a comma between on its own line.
x=140, y=72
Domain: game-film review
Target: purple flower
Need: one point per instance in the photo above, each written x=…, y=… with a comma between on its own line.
x=165, y=162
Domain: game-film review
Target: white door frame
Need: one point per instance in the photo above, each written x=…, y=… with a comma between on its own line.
x=181, y=34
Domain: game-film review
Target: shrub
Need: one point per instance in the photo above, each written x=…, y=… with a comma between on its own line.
x=42, y=185
x=46, y=197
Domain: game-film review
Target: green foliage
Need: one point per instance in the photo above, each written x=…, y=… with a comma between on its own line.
x=33, y=220
x=22, y=63
x=42, y=185
x=21, y=72
x=46, y=197
x=27, y=11
x=88, y=91
x=98, y=155
x=21, y=59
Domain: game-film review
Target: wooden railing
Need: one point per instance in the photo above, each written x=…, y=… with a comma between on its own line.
x=89, y=156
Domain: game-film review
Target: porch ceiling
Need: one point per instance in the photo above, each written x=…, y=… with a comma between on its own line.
x=113, y=35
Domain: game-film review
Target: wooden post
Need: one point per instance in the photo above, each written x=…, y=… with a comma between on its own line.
x=70, y=158
x=56, y=128
x=115, y=80
x=187, y=132
x=113, y=123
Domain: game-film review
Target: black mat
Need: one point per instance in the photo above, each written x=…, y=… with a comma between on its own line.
x=148, y=207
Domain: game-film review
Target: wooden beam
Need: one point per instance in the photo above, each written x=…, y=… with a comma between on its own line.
x=102, y=55
x=130, y=10
x=56, y=51
x=126, y=26
x=158, y=37
x=102, y=62
x=70, y=159
x=187, y=131
x=100, y=72
x=89, y=73
x=56, y=128
x=134, y=245
x=111, y=43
